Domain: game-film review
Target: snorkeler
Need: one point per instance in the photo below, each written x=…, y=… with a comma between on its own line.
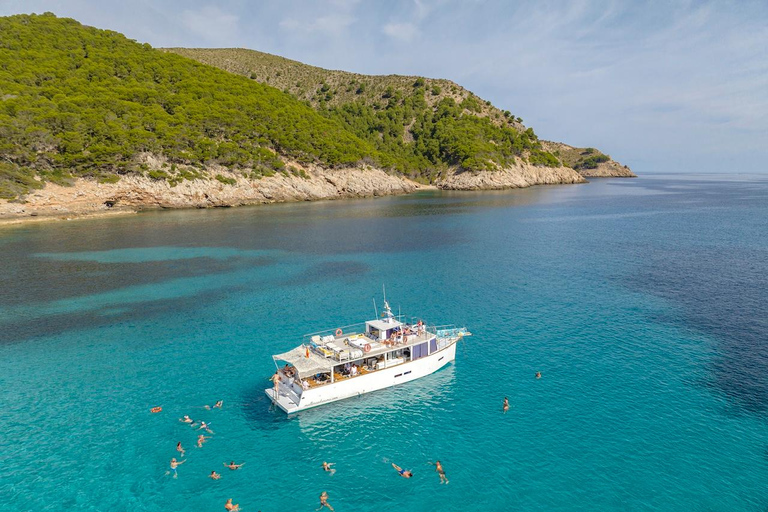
x=403, y=472
x=180, y=448
x=232, y=508
x=324, y=501
x=327, y=467
x=202, y=439
x=175, y=464
x=506, y=404
x=234, y=466
x=441, y=472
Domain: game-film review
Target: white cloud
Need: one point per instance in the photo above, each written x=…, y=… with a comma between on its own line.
x=331, y=24
x=212, y=23
x=402, y=31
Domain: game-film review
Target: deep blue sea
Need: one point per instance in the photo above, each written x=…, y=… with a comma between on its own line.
x=643, y=303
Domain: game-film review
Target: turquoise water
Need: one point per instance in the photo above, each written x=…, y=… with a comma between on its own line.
x=642, y=302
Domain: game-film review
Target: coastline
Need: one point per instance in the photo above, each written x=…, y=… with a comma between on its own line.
x=87, y=198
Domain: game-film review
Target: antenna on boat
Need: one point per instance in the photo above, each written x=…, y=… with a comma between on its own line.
x=375, y=310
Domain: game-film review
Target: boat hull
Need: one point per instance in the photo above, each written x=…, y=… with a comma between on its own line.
x=290, y=401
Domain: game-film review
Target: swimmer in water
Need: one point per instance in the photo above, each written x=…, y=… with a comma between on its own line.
x=218, y=404
x=441, y=472
x=202, y=439
x=327, y=467
x=232, y=508
x=324, y=501
x=175, y=464
x=234, y=466
x=186, y=419
x=214, y=475
x=180, y=448
x=206, y=426
x=506, y=404
x=403, y=472
x=538, y=375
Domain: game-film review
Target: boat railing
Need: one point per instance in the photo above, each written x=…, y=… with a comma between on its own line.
x=346, y=330
x=449, y=331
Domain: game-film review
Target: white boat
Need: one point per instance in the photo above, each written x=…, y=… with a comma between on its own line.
x=350, y=361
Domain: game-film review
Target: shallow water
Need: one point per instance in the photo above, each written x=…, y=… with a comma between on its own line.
x=642, y=302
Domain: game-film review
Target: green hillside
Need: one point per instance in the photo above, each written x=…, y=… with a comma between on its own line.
x=422, y=123
x=78, y=101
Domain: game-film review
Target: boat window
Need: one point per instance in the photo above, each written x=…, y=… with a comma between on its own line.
x=433, y=345
x=419, y=350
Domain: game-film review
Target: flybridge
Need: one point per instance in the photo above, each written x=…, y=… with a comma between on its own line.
x=348, y=361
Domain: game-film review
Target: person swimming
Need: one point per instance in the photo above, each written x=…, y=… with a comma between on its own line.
x=214, y=475
x=505, y=407
x=441, y=472
x=403, y=472
x=327, y=467
x=538, y=375
x=186, y=419
x=218, y=404
x=206, y=426
x=234, y=466
x=175, y=464
x=180, y=448
x=232, y=508
x=202, y=439
x=324, y=501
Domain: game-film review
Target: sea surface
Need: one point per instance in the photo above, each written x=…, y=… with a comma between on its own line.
x=643, y=303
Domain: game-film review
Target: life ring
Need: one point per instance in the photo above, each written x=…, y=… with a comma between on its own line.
x=339, y=332
x=156, y=409
x=367, y=347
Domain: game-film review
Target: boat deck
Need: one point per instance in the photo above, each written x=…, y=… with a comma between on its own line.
x=342, y=348
x=284, y=401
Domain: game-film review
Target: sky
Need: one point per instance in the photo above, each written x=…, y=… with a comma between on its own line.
x=662, y=86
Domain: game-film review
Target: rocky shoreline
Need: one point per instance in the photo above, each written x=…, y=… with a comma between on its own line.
x=88, y=198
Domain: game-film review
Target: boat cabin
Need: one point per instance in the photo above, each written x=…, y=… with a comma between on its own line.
x=381, y=330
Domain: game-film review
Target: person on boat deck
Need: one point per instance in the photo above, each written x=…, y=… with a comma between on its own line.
x=276, y=380
x=403, y=472
x=353, y=370
x=304, y=385
x=232, y=508
x=324, y=501
x=327, y=467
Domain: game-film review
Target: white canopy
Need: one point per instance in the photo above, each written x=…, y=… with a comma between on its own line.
x=305, y=366
x=383, y=325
